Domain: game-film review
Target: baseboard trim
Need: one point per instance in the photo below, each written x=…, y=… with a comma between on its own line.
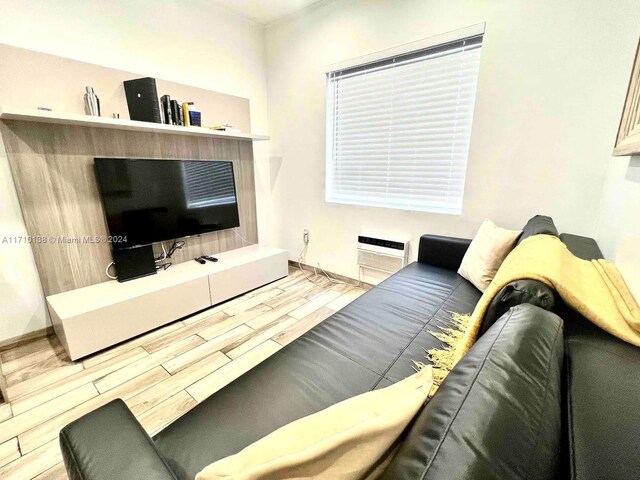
x=336, y=276
x=25, y=338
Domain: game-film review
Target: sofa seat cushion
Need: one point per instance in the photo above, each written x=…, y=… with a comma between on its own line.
x=424, y=286
x=462, y=299
x=602, y=383
x=302, y=378
x=375, y=329
x=498, y=413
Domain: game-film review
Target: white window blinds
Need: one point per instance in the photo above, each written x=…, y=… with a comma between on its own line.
x=398, y=129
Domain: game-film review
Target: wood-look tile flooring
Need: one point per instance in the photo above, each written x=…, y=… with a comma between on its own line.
x=160, y=375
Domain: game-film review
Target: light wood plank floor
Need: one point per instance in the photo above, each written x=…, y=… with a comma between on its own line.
x=160, y=375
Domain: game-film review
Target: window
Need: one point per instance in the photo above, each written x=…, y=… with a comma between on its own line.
x=398, y=129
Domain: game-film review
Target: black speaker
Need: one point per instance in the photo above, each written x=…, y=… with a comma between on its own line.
x=134, y=262
x=142, y=100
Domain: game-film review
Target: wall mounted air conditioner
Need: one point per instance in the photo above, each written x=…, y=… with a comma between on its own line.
x=382, y=252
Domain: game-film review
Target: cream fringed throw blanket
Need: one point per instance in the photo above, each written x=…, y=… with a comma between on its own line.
x=594, y=288
x=350, y=440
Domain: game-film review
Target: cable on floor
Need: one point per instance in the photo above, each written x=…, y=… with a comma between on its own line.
x=332, y=280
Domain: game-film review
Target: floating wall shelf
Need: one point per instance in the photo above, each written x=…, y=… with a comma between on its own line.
x=32, y=115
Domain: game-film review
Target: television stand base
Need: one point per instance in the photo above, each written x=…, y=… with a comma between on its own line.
x=93, y=318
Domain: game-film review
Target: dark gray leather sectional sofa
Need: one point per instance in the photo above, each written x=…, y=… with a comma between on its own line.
x=531, y=400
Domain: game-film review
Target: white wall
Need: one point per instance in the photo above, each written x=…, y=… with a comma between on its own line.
x=22, y=305
x=618, y=230
x=215, y=49
x=552, y=82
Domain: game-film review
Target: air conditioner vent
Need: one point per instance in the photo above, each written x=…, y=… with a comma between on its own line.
x=379, y=261
x=379, y=252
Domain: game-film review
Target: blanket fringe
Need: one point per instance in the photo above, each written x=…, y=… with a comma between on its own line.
x=442, y=359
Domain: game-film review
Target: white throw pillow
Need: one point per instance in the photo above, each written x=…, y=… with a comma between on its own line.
x=487, y=251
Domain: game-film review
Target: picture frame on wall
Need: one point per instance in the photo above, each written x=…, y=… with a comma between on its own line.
x=628, y=138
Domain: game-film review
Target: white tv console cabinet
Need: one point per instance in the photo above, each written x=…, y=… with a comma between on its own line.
x=92, y=318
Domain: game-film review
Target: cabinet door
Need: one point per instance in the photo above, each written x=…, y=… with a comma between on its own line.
x=242, y=278
x=97, y=329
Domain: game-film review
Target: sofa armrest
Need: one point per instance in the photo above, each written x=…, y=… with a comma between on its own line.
x=109, y=443
x=440, y=251
x=498, y=413
x=516, y=293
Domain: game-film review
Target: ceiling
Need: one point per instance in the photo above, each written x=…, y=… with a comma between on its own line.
x=264, y=11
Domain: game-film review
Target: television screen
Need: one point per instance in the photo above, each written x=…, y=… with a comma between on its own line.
x=148, y=201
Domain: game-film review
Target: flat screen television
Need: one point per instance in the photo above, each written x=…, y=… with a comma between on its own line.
x=149, y=201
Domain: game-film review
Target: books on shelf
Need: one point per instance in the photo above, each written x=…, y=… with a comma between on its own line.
x=175, y=112
x=165, y=108
x=192, y=116
x=195, y=118
x=185, y=114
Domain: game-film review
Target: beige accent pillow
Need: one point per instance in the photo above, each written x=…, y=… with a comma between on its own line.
x=487, y=251
x=346, y=441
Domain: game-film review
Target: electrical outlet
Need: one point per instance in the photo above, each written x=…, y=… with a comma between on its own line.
x=305, y=235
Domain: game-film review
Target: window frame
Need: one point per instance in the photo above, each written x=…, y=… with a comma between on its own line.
x=405, y=53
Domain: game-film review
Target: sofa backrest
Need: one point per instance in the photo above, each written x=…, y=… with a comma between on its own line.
x=536, y=225
x=498, y=413
x=447, y=252
x=441, y=251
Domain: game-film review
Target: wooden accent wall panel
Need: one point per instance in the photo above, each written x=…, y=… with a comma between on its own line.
x=53, y=171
